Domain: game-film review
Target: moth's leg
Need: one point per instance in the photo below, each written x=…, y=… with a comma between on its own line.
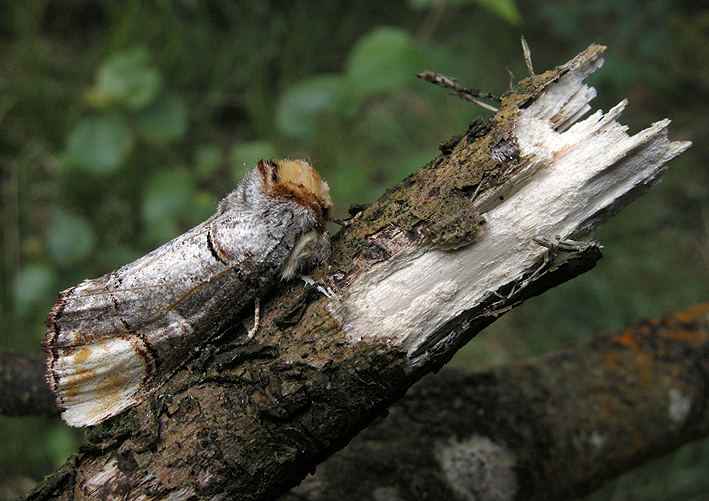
x=554, y=246
x=355, y=211
x=323, y=289
x=257, y=318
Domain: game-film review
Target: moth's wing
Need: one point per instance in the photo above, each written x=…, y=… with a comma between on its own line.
x=111, y=337
x=99, y=379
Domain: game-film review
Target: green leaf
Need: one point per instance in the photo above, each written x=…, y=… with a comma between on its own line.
x=6, y=104
x=165, y=121
x=168, y=196
x=302, y=106
x=420, y=4
x=205, y=204
x=61, y=441
x=128, y=80
x=33, y=285
x=70, y=239
x=506, y=9
x=208, y=159
x=382, y=61
x=99, y=144
x=243, y=157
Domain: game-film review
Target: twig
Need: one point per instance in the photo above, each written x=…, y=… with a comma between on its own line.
x=415, y=277
x=472, y=95
x=527, y=57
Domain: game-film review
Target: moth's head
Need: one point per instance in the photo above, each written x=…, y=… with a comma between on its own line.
x=297, y=180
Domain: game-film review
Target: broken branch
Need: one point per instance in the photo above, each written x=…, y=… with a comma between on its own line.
x=416, y=276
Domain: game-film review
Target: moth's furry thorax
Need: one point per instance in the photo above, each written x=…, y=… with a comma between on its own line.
x=296, y=180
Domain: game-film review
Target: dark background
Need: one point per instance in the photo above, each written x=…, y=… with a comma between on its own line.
x=123, y=123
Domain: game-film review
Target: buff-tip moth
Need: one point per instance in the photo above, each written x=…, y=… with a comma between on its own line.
x=113, y=340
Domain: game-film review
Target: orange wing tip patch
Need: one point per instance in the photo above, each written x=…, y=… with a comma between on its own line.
x=99, y=380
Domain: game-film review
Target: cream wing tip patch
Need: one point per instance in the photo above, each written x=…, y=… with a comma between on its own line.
x=98, y=380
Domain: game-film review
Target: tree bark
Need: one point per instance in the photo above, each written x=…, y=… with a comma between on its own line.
x=413, y=277
x=554, y=427
x=634, y=394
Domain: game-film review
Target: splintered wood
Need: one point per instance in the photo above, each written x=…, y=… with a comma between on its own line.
x=578, y=174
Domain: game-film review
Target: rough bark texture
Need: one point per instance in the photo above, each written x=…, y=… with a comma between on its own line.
x=555, y=427
x=249, y=418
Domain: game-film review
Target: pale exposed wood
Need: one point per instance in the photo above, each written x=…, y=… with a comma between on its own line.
x=582, y=174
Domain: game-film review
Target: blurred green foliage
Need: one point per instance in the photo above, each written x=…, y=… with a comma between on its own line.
x=123, y=123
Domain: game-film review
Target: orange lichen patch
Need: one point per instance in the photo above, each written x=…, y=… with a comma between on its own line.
x=610, y=359
x=688, y=336
x=643, y=365
x=629, y=338
x=696, y=313
x=690, y=326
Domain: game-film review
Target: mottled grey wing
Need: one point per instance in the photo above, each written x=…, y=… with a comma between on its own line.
x=112, y=339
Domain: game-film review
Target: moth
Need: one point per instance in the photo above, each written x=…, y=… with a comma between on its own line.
x=114, y=339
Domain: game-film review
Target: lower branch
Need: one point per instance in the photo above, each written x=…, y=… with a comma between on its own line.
x=23, y=387
x=555, y=427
